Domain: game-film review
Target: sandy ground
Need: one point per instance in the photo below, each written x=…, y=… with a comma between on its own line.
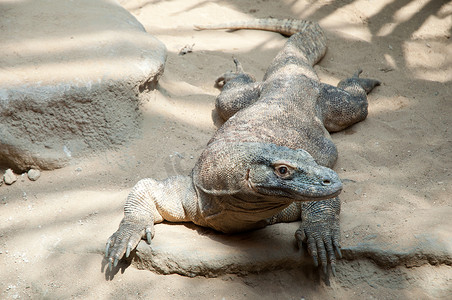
x=397, y=163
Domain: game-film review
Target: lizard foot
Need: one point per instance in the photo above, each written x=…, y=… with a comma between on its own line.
x=239, y=75
x=366, y=83
x=323, y=240
x=126, y=238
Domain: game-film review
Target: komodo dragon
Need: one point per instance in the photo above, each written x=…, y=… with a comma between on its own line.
x=269, y=162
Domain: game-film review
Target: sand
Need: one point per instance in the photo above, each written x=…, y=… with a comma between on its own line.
x=397, y=163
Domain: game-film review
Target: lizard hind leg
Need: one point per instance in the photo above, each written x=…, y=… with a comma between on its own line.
x=239, y=90
x=231, y=75
x=367, y=84
x=346, y=104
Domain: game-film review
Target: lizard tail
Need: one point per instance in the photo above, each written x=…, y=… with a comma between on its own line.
x=286, y=27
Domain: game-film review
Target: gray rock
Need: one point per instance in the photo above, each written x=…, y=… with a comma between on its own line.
x=195, y=251
x=191, y=251
x=71, y=75
x=424, y=248
x=33, y=174
x=9, y=177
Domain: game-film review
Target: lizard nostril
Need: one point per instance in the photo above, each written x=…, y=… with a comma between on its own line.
x=326, y=182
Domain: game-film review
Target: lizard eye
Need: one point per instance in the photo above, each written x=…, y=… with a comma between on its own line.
x=282, y=171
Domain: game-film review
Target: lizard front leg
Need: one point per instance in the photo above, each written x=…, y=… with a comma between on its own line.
x=319, y=229
x=150, y=202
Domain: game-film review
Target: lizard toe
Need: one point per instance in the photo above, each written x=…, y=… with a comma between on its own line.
x=337, y=248
x=322, y=254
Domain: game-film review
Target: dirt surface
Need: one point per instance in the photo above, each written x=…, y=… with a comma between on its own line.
x=397, y=164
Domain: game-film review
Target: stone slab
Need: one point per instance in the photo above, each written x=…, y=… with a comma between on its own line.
x=71, y=75
x=194, y=251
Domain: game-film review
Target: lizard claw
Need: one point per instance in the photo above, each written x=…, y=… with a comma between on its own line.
x=333, y=270
x=126, y=238
x=356, y=75
x=233, y=75
x=129, y=248
x=238, y=65
x=337, y=248
x=112, y=263
x=107, y=247
x=148, y=235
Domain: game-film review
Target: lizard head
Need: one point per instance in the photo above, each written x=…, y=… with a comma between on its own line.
x=282, y=172
x=264, y=170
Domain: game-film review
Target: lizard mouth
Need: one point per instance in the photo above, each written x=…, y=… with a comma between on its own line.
x=323, y=190
x=337, y=189
x=250, y=183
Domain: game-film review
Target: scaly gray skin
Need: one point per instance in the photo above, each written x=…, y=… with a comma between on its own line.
x=253, y=171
